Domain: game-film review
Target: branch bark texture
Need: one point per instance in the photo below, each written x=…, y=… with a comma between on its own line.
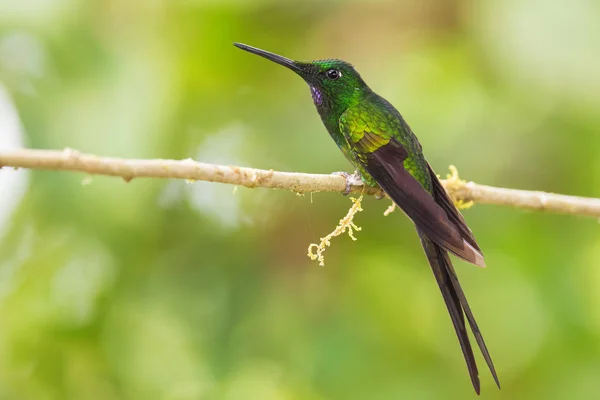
x=128, y=169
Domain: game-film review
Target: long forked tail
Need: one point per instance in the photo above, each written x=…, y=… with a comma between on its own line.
x=457, y=305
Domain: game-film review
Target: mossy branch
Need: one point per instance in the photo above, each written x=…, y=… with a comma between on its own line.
x=461, y=191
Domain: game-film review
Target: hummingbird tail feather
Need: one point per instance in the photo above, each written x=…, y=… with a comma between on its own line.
x=458, y=308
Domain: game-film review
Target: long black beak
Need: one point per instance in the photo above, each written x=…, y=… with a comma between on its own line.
x=286, y=62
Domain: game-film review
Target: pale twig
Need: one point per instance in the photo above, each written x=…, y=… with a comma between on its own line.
x=128, y=169
x=390, y=209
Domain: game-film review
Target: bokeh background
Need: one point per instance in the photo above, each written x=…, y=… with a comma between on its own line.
x=161, y=289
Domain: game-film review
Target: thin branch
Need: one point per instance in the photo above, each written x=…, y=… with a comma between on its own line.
x=128, y=169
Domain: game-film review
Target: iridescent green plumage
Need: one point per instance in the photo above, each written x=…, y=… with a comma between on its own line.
x=375, y=138
x=371, y=124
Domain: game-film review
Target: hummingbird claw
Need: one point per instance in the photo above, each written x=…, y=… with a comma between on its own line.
x=351, y=179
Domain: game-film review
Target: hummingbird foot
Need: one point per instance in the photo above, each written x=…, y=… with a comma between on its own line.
x=353, y=179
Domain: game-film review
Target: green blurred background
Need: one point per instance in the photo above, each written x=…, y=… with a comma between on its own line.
x=161, y=289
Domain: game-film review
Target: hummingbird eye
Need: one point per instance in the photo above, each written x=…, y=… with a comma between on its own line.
x=333, y=74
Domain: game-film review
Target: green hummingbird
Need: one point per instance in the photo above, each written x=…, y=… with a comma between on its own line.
x=386, y=153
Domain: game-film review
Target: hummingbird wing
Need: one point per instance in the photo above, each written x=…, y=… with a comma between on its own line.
x=384, y=145
x=443, y=199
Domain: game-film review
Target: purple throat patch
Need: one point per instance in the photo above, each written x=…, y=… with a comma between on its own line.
x=316, y=95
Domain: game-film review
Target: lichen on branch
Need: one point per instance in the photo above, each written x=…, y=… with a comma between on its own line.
x=453, y=183
x=315, y=251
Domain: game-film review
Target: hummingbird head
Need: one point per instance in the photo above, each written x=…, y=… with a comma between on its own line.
x=334, y=84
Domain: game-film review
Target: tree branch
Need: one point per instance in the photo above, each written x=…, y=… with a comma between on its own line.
x=128, y=169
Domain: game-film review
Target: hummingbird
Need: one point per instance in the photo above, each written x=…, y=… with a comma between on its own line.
x=378, y=142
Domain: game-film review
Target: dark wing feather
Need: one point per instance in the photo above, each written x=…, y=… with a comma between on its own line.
x=457, y=304
x=444, y=200
x=386, y=166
